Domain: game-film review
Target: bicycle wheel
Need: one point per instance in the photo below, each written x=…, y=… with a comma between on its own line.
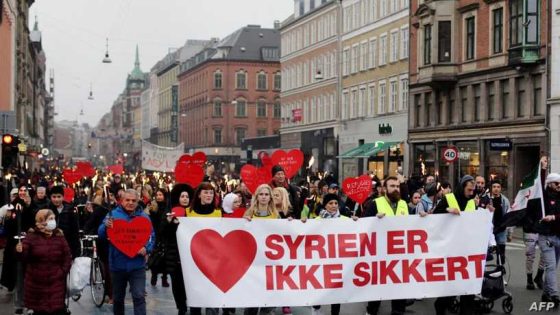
x=97, y=283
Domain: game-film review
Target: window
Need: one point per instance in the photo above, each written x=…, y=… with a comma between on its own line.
x=382, y=90
x=277, y=81
x=532, y=22
x=241, y=80
x=477, y=113
x=364, y=57
x=444, y=41
x=355, y=103
x=393, y=96
x=239, y=135
x=383, y=50
x=469, y=22
x=404, y=43
x=217, y=136
x=394, y=46
x=363, y=100
x=355, y=58
x=516, y=23
x=261, y=132
x=346, y=61
x=372, y=53
x=404, y=94
x=371, y=100
x=217, y=108
x=301, y=7
x=497, y=30
x=241, y=108
x=277, y=109
x=383, y=8
x=261, y=81
x=505, y=103
x=491, y=101
x=427, y=44
x=261, y=108
x=218, y=80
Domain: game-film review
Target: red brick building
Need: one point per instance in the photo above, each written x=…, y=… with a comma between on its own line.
x=230, y=91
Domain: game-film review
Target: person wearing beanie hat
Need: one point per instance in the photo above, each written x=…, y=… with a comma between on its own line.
x=279, y=180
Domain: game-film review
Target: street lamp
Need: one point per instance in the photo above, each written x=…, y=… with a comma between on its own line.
x=107, y=59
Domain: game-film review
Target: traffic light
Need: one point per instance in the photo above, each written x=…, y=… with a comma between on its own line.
x=9, y=150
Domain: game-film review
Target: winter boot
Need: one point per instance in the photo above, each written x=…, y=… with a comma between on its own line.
x=539, y=278
x=530, y=284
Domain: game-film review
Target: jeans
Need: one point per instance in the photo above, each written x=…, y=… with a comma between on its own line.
x=550, y=251
x=137, y=281
x=531, y=240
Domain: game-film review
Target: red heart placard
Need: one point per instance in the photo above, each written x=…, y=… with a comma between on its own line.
x=198, y=158
x=85, y=169
x=253, y=176
x=71, y=176
x=68, y=194
x=116, y=169
x=130, y=236
x=291, y=161
x=234, y=252
x=357, y=188
x=266, y=162
x=187, y=173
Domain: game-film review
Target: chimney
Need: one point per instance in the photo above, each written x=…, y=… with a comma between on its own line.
x=276, y=24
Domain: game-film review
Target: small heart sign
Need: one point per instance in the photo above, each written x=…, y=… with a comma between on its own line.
x=186, y=173
x=253, y=176
x=291, y=161
x=234, y=252
x=130, y=236
x=116, y=169
x=68, y=194
x=198, y=158
x=357, y=188
x=71, y=176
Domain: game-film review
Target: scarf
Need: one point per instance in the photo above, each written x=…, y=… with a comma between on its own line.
x=327, y=215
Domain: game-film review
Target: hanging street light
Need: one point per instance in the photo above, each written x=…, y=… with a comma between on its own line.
x=107, y=59
x=90, y=97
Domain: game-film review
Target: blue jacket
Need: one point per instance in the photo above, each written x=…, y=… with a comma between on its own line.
x=117, y=260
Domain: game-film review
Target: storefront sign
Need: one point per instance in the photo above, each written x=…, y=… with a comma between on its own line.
x=236, y=263
x=500, y=145
x=297, y=114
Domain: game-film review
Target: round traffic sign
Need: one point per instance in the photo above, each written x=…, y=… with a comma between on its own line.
x=450, y=154
x=45, y=151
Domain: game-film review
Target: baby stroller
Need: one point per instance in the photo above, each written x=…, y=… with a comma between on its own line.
x=493, y=289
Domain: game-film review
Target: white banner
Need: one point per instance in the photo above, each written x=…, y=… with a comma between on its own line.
x=236, y=263
x=160, y=159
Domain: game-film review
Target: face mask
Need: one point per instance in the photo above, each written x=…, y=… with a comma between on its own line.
x=51, y=225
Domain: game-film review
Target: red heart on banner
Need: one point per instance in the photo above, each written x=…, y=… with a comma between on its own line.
x=116, y=169
x=191, y=174
x=291, y=161
x=357, y=188
x=71, y=176
x=68, y=194
x=85, y=169
x=213, y=254
x=130, y=236
x=253, y=176
x=198, y=158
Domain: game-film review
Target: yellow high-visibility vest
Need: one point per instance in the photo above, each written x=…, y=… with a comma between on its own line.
x=452, y=203
x=383, y=206
x=217, y=213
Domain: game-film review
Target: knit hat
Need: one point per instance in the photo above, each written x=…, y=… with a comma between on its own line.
x=227, y=204
x=465, y=179
x=14, y=191
x=328, y=198
x=553, y=177
x=176, y=193
x=276, y=169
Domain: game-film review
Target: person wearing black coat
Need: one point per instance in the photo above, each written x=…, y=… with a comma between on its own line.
x=157, y=212
x=66, y=219
x=279, y=180
x=180, y=197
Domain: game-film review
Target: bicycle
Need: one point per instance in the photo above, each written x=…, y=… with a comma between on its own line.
x=96, y=279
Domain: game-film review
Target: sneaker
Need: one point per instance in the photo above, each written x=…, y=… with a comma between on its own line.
x=164, y=283
x=286, y=310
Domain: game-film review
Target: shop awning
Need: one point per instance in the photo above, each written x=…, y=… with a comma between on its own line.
x=353, y=153
x=367, y=149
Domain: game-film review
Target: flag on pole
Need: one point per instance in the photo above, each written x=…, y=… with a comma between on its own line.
x=528, y=202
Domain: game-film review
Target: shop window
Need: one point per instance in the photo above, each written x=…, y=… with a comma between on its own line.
x=497, y=165
x=469, y=158
x=424, y=159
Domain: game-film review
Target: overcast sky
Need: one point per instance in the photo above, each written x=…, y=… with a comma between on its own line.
x=74, y=33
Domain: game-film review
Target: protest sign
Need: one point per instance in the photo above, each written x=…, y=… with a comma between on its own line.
x=160, y=159
x=186, y=173
x=71, y=176
x=198, y=158
x=291, y=161
x=130, y=236
x=254, y=176
x=358, y=189
x=85, y=169
x=237, y=263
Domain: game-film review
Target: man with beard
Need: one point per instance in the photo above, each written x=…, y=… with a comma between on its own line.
x=389, y=204
x=481, y=199
x=455, y=203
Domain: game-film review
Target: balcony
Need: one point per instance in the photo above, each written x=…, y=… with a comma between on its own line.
x=438, y=74
x=524, y=55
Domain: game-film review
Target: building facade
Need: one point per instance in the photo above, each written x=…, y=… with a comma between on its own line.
x=310, y=83
x=230, y=91
x=478, y=83
x=554, y=100
x=375, y=47
x=7, y=68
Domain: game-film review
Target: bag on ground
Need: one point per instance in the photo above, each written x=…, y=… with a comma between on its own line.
x=79, y=275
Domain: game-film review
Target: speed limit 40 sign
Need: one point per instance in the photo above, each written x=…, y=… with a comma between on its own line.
x=450, y=154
